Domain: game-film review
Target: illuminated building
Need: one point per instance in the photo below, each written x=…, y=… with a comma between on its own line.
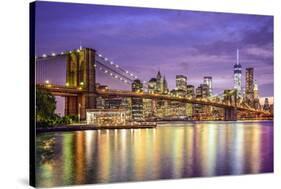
x=106, y=117
x=137, y=86
x=238, y=75
x=256, y=90
x=181, y=82
x=190, y=91
x=178, y=93
x=256, y=96
x=161, y=84
x=208, y=81
x=112, y=103
x=137, y=103
x=152, y=85
x=100, y=103
x=202, y=91
x=250, y=86
x=147, y=108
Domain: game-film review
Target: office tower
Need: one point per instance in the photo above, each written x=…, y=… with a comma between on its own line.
x=161, y=84
x=202, y=91
x=137, y=103
x=249, y=86
x=190, y=91
x=181, y=82
x=152, y=85
x=208, y=81
x=137, y=86
x=238, y=75
x=256, y=90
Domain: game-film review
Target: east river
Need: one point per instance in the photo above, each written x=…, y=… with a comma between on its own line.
x=172, y=150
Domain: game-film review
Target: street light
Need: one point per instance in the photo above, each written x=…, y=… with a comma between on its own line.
x=47, y=82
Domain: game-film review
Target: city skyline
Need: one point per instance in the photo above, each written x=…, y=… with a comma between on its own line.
x=174, y=42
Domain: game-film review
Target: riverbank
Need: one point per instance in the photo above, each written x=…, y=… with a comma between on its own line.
x=91, y=127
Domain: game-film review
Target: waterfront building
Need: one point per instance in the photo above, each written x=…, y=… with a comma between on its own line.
x=209, y=83
x=112, y=103
x=238, y=75
x=106, y=117
x=100, y=103
x=147, y=108
x=137, y=103
x=181, y=82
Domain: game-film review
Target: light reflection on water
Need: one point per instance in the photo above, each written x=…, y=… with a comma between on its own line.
x=172, y=150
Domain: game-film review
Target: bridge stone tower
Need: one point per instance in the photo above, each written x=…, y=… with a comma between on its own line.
x=81, y=74
x=230, y=97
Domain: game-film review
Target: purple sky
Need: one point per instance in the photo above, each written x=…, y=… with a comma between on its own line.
x=195, y=44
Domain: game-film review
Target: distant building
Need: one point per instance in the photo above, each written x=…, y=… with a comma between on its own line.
x=190, y=91
x=161, y=84
x=112, y=103
x=202, y=91
x=208, y=81
x=266, y=106
x=249, y=92
x=238, y=75
x=181, y=82
x=137, y=103
x=257, y=104
x=152, y=83
x=137, y=86
x=256, y=90
x=178, y=93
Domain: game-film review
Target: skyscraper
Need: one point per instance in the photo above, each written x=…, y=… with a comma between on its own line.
x=202, y=91
x=152, y=83
x=161, y=84
x=181, y=82
x=238, y=75
x=208, y=81
x=256, y=90
x=137, y=103
x=249, y=85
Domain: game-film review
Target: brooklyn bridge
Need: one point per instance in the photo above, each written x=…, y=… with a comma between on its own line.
x=80, y=89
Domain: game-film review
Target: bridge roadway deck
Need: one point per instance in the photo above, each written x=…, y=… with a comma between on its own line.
x=70, y=91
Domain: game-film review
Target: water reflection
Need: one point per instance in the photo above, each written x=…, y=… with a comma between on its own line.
x=170, y=151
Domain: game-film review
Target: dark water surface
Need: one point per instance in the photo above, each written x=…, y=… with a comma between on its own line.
x=172, y=150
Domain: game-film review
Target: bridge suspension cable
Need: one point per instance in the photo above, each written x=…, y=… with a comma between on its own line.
x=103, y=64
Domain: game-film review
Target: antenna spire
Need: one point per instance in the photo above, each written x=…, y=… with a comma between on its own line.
x=237, y=57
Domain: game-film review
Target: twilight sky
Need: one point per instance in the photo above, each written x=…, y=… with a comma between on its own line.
x=195, y=44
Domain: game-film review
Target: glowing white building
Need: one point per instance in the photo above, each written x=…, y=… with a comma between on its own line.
x=238, y=75
x=208, y=81
x=256, y=90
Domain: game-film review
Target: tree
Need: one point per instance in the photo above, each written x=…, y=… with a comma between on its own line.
x=45, y=105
